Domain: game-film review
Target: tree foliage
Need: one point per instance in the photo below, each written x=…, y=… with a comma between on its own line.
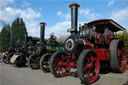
x=19, y=29
x=62, y=38
x=124, y=37
x=5, y=37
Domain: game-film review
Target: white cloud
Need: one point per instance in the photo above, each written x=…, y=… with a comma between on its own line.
x=6, y=13
x=65, y=16
x=111, y=2
x=120, y=14
x=88, y=14
x=29, y=15
x=25, y=4
x=59, y=28
x=4, y=3
x=33, y=28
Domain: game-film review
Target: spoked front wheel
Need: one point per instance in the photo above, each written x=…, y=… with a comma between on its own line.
x=59, y=64
x=33, y=62
x=44, y=62
x=88, y=66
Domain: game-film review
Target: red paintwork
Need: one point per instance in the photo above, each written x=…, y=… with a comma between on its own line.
x=104, y=54
x=53, y=49
x=73, y=55
x=122, y=59
x=71, y=64
x=87, y=44
x=59, y=69
x=99, y=38
x=64, y=61
x=91, y=62
x=109, y=38
x=6, y=54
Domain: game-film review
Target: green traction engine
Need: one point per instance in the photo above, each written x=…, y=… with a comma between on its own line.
x=44, y=50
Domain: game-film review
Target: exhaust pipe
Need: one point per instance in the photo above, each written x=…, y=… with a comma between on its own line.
x=25, y=44
x=74, y=15
x=42, y=31
x=12, y=39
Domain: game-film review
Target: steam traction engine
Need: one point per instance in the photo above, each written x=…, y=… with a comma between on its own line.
x=89, y=49
x=44, y=50
x=22, y=53
x=11, y=50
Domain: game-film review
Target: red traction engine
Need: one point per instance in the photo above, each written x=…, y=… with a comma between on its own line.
x=92, y=47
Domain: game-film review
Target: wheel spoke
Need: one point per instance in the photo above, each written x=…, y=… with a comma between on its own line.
x=58, y=59
x=92, y=59
x=88, y=60
x=60, y=65
x=90, y=67
x=88, y=74
x=87, y=66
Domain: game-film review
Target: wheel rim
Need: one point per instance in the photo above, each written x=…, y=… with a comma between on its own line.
x=122, y=59
x=45, y=63
x=91, y=68
x=60, y=65
x=20, y=61
x=34, y=62
x=9, y=57
x=5, y=58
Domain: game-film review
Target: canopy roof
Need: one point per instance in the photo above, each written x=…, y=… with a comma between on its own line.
x=35, y=39
x=101, y=24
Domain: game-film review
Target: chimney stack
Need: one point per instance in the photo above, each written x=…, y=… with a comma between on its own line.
x=25, y=44
x=74, y=16
x=42, y=31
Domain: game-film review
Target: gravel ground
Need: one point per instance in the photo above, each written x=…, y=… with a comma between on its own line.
x=10, y=75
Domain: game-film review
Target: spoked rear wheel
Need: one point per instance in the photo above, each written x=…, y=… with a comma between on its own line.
x=44, y=62
x=88, y=66
x=118, y=59
x=33, y=62
x=59, y=64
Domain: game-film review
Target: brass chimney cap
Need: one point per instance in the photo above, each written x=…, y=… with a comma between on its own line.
x=74, y=5
x=42, y=24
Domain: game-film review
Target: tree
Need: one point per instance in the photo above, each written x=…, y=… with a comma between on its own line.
x=19, y=29
x=124, y=37
x=5, y=37
x=62, y=38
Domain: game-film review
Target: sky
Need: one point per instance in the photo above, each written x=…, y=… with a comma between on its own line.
x=57, y=14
